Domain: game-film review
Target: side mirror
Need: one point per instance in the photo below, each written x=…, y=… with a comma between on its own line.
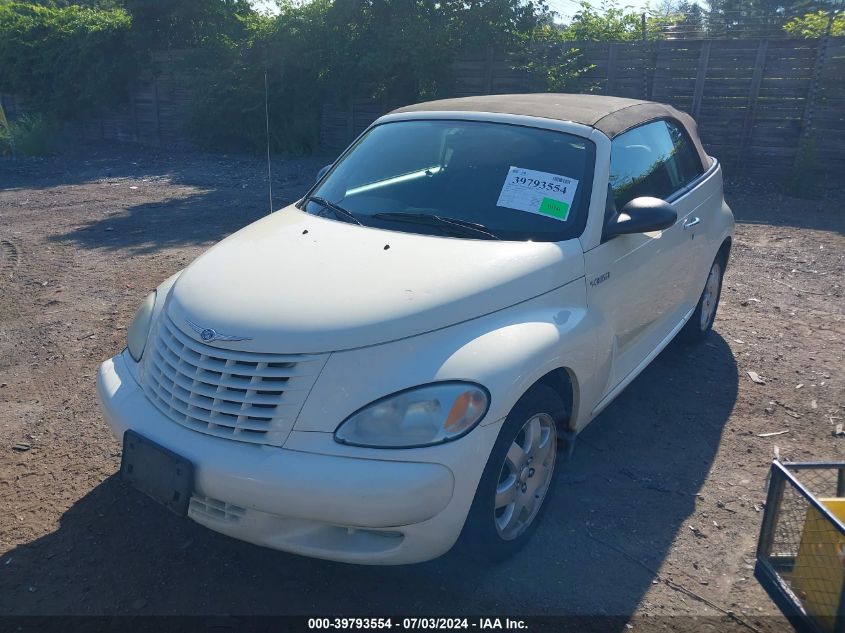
x=642, y=215
x=323, y=171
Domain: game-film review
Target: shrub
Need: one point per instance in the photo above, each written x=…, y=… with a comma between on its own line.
x=552, y=64
x=31, y=135
x=68, y=60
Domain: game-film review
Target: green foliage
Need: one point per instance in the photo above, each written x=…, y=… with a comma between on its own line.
x=227, y=81
x=749, y=18
x=676, y=19
x=70, y=57
x=815, y=24
x=737, y=18
x=162, y=24
x=607, y=21
x=553, y=65
x=336, y=51
x=402, y=47
x=67, y=60
x=503, y=24
x=691, y=20
x=31, y=135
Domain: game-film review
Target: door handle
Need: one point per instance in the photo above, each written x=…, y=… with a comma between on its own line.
x=691, y=223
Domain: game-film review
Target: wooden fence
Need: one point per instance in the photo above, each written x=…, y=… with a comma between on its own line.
x=756, y=101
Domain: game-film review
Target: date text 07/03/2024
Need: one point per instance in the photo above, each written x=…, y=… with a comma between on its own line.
x=417, y=623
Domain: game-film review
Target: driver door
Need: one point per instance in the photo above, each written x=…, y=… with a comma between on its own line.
x=639, y=283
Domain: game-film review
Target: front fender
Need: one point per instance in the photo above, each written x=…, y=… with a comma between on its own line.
x=506, y=351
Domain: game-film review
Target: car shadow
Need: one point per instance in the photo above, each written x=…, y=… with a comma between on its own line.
x=199, y=219
x=89, y=162
x=208, y=212
x=151, y=199
x=631, y=484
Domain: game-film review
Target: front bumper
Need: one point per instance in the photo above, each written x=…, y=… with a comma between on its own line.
x=327, y=506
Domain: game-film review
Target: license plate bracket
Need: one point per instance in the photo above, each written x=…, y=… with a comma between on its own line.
x=157, y=471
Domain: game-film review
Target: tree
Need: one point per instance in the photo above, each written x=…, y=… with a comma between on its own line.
x=66, y=60
x=500, y=23
x=815, y=24
x=551, y=62
x=608, y=21
x=338, y=50
x=162, y=24
x=692, y=20
x=754, y=18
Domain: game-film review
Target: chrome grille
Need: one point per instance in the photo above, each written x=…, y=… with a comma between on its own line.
x=243, y=396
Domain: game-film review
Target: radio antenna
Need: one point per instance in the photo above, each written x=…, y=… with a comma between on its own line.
x=267, y=122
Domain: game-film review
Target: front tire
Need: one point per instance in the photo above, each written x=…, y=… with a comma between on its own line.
x=701, y=321
x=519, y=477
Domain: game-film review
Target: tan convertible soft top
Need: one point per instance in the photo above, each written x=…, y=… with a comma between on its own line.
x=610, y=115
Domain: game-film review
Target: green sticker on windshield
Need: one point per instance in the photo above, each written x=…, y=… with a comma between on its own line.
x=554, y=208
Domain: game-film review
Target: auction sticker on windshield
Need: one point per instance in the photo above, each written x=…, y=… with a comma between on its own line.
x=538, y=192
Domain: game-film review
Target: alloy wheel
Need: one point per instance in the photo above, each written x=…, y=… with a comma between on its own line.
x=525, y=476
x=710, y=296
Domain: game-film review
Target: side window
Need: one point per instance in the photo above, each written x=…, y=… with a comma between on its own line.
x=655, y=159
x=685, y=153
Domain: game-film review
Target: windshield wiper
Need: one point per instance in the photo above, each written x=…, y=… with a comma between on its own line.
x=431, y=219
x=336, y=208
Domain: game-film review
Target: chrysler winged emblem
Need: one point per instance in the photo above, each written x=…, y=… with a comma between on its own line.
x=209, y=335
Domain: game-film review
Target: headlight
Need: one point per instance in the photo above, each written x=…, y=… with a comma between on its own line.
x=421, y=416
x=136, y=335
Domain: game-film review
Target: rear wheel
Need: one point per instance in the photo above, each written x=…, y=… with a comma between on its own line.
x=518, y=478
x=701, y=321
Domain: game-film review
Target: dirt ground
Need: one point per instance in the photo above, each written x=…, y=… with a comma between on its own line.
x=672, y=474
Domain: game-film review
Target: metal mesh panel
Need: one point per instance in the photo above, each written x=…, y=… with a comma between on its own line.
x=802, y=542
x=822, y=481
x=789, y=523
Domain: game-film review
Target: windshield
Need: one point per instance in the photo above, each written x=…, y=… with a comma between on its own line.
x=469, y=179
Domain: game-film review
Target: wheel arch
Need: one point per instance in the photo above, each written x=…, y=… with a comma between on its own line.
x=564, y=383
x=725, y=249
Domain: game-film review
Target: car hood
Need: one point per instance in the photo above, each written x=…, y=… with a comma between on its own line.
x=296, y=283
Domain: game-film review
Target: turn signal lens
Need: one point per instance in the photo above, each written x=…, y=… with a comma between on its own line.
x=466, y=408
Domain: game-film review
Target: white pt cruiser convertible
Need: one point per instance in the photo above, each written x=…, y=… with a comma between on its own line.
x=391, y=362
